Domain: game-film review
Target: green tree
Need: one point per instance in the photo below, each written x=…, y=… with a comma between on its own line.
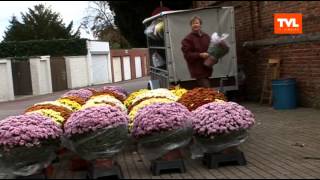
x=39, y=23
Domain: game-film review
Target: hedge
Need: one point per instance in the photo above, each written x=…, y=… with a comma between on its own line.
x=63, y=47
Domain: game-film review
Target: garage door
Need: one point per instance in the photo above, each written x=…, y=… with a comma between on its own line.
x=126, y=68
x=117, y=73
x=138, y=66
x=99, y=69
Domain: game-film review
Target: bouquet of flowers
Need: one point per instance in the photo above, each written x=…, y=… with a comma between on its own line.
x=85, y=94
x=218, y=45
x=159, y=29
x=27, y=144
x=162, y=127
x=155, y=29
x=218, y=126
x=96, y=132
x=200, y=96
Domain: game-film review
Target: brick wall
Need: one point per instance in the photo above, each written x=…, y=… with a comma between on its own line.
x=254, y=21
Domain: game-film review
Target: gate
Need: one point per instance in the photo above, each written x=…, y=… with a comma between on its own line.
x=21, y=76
x=58, y=73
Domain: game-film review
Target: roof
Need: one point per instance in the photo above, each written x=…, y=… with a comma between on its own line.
x=176, y=12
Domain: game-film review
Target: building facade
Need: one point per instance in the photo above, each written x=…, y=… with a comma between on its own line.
x=256, y=43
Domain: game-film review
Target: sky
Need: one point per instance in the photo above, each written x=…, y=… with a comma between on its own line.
x=69, y=10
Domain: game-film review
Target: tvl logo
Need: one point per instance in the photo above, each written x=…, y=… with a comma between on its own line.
x=288, y=23
x=291, y=23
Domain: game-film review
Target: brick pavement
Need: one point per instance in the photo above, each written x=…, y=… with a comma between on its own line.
x=278, y=148
x=283, y=144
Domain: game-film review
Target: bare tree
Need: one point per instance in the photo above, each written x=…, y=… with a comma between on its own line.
x=100, y=20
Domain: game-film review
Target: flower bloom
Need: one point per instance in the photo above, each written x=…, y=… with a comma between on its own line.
x=221, y=118
x=116, y=89
x=54, y=103
x=75, y=99
x=53, y=115
x=105, y=99
x=143, y=104
x=178, y=91
x=121, y=97
x=200, y=96
x=161, y=117
x=161, y=92
x=132, y=96
x=64, y=112
x=27, y=130
x=94, y=118
x=85, y=94
x=72, y=104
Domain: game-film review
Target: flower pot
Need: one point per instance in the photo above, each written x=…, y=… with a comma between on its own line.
x=78, y=164
x=104, y=163
x=172, y=155
x=230, y=150
x=49, y=171
x=62, y=151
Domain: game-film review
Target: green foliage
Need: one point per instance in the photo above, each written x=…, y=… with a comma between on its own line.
x=70, y=47
x=40, y=23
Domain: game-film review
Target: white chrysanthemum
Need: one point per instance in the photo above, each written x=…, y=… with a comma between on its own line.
x=95, y=104
x=219, y=101
x=161, y=92
x=105, y=99
x=55, y=103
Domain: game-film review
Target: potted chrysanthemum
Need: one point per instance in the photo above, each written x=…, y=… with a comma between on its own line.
x=97, y=133
x=27, y=144
x=218, y=126
x=161, y=128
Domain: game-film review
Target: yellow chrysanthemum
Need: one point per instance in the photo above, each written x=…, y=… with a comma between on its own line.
x=74, y=105
x=145, y=103
x=133, y=95
x=55, y=103
x=54, y=115
x=179, y=91
x=93, y=104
